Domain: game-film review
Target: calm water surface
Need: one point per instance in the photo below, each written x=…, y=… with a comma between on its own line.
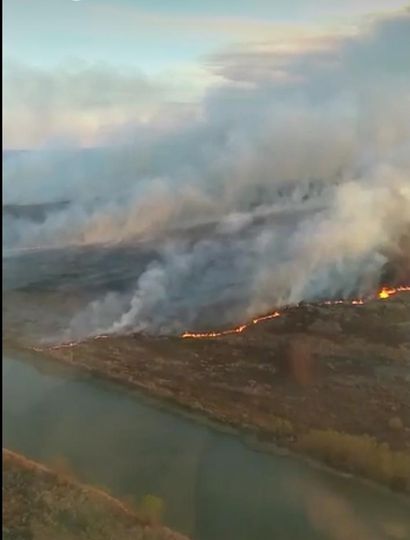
x=213, y=485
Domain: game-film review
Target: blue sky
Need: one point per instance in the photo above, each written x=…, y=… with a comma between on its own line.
x=157, y=34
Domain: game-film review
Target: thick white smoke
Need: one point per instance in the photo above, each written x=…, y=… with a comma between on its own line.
x=290, y=182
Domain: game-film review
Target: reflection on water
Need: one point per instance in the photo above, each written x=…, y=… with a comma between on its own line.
x=214, y=487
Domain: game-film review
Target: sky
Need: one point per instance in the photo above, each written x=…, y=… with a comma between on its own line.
x=159, y=51
x=156, y=34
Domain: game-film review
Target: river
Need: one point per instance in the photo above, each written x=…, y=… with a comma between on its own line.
x=213, y=485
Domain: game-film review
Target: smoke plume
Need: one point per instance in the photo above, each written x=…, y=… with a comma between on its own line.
x=288, y=181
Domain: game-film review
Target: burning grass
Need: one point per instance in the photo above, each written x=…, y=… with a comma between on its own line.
x=383, y=294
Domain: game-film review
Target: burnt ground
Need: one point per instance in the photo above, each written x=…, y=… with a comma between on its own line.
x=339, y=367
x=39, y=504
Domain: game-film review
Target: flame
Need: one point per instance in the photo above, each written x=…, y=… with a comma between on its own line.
x=384, y=293
x=236, y=330
x=69, y=344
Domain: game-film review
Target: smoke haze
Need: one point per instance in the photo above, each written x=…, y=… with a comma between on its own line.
x=288, y=181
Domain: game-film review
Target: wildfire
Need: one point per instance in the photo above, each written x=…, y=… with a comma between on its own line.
x=69, y=344
x=384, y=293
x=236, y=330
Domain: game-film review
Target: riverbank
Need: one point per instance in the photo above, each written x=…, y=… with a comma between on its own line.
x=330, y=381
x=43, y=504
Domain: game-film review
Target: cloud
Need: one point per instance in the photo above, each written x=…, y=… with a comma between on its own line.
x=378, y=50
x=221, y=24
x=260, y=19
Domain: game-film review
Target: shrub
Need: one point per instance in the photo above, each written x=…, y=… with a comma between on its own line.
x=150, y=509
x=361, y=454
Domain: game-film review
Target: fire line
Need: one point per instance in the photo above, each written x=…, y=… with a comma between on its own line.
x=383, y=294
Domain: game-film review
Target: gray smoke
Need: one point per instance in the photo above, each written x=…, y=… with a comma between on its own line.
x=289, y=182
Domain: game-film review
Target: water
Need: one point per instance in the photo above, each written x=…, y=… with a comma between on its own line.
x=213, y=485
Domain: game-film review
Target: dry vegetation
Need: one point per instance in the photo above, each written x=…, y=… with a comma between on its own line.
x=329, y=380
x=360, y=454
x=39, y=504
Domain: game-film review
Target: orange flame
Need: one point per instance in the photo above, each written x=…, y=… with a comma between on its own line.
x=383, y=294
x=236, y=330
x=386, y=292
